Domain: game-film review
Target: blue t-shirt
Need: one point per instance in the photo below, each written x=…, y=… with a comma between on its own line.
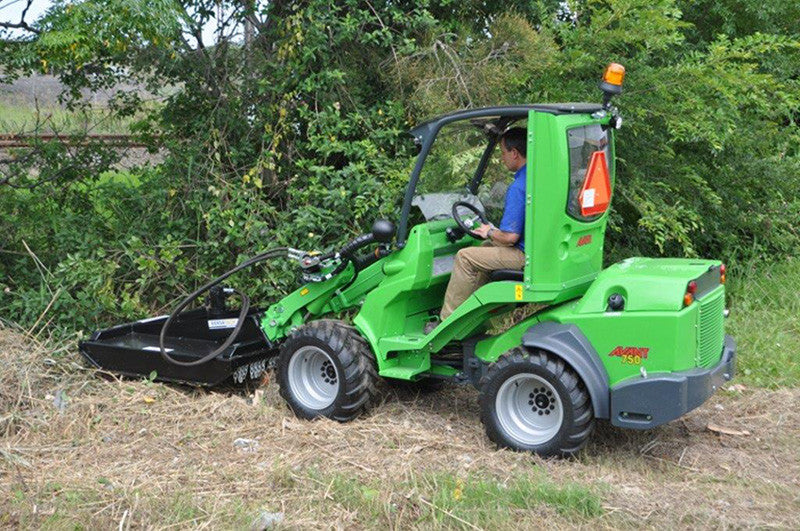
x=514, y=210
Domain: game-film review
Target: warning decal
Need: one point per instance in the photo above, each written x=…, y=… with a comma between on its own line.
x=219, y=324
x=596, y=192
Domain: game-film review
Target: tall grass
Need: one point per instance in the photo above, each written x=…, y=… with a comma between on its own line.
x=15, y=119
x=765, y=321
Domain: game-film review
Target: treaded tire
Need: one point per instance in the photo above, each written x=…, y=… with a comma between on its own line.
x=574, y=408
x=356, y=373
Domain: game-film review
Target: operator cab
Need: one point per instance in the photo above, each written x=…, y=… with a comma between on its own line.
x=568, y=187
x=459, y=163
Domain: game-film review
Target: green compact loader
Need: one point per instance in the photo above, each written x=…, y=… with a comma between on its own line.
x=638, y=343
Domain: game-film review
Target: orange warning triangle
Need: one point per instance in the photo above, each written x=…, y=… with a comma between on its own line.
x=596, y=192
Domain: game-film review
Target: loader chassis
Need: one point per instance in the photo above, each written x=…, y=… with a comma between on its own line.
x=642, y=365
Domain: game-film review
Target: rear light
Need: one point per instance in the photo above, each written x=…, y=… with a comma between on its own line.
x=691, y=289
x=722, y=270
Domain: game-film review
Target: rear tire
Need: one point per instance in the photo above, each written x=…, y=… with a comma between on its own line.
x=326, y=369
x=533, y=401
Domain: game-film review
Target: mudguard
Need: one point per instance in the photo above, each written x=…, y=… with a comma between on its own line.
x=568, y=342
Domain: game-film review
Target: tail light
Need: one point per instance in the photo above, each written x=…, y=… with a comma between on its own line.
x=691, y=289
x=722, y=270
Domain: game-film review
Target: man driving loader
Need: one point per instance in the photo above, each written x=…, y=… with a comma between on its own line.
x=504, y=247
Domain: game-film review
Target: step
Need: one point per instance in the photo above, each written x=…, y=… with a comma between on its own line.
x=404, y=342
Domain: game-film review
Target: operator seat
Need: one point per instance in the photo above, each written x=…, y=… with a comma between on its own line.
x=506, y=274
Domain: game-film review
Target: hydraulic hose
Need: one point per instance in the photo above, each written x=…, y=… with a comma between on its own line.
x=363, y=262
x=346, y=255
x=267, y=255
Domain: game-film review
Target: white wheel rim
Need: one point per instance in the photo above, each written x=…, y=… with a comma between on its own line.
x=529, y=409
x=313, y=378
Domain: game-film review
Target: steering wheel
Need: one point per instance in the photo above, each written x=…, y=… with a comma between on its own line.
x=466, y=225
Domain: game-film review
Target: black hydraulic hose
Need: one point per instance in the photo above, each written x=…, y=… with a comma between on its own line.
x=362, y=262
x=267, y=255
x=346, y=253
x=366, y=260
x=354, y=245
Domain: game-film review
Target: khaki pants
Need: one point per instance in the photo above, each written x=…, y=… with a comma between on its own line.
x=471, y=271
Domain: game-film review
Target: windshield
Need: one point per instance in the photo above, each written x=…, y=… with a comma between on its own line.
x=452, y=159
x=450, y=167
x=440, y=205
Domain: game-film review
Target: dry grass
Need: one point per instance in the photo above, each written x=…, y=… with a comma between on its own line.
x=131, y=454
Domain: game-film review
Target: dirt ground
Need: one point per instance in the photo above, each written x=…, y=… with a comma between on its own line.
x=80, y=450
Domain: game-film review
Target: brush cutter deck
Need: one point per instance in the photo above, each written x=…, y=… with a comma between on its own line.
x=132, y=349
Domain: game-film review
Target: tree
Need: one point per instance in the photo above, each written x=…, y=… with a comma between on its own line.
x=289, y=128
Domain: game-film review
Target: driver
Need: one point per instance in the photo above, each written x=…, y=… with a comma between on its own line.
x=504, y=247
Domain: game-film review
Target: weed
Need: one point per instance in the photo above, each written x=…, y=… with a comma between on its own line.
x=765, y=321
x=446, y=499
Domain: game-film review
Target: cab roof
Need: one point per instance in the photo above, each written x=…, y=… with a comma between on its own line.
x=509, y=111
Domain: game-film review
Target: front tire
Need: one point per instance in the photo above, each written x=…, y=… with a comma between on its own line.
x=532, y=401
x=326, y=369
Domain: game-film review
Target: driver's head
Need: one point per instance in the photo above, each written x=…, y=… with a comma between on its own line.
x=513, y=148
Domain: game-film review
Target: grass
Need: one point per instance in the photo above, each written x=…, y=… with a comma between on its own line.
x=24, y=119
x=438, y=500
x=442, y=499
x=765, y=321
x=133, y=453
x=61, y=507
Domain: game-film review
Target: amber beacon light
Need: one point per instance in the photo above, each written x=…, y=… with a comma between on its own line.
x=614, y=74
x=612, y=82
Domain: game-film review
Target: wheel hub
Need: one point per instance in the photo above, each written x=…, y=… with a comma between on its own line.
x=542, y=401
x=313, y=378
x=529, y=409
x=328, y=372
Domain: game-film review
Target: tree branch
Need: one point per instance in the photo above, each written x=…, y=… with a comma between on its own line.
x=22, y=24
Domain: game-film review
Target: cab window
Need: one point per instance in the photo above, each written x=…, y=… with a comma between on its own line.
x=583, y=142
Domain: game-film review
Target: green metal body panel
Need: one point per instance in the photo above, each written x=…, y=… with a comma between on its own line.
x=394, y=314
x=557, y=267
x=318, y=299
x=654, y=332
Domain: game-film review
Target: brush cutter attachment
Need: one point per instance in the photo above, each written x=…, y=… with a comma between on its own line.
x=208, y=345
x=132, y=349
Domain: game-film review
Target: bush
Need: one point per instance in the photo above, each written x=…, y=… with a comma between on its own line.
x=298, y=136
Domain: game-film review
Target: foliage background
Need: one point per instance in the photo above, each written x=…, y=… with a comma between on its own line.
x=290, y=129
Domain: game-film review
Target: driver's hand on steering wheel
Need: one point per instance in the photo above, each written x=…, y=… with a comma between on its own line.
x=483, y=230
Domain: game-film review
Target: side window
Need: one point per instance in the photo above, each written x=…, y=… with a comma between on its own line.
x=583, y=143
x=497, y=178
